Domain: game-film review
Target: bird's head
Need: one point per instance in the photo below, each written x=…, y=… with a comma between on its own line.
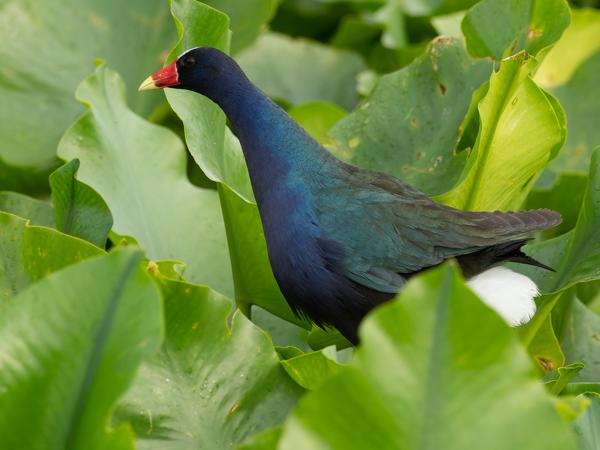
x=200, y=69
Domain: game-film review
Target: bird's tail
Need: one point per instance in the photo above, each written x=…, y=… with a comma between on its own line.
x=488, y=257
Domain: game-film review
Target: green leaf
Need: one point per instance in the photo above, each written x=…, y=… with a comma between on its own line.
x=579, y=42
x=37, y=211
x=139, y=170
x=284, y=334
x=70, y=345
x=317, y=118
x=435, y=7
x=311, y=370
x=210, y=386
x=418, y=7
x=454, y=374
x=29, y=253
x=391, y=18
x=409, y=124
x=320, y=338
x=309, y=72
x=248, y=17
x=449, y=25
x=586, y=425
x=564, y=196
x=521, y=129
x=580, y=340
x=545, y=349
x=267, y=440
x=80, y=211
x=581, y=99
x=575, y=256
x=254, y=280
x=564, y=375
x=215, y=149
x=499, y=28
x=66, y=38
x=570, y=408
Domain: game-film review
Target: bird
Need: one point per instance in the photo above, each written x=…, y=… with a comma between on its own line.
x=342, y=239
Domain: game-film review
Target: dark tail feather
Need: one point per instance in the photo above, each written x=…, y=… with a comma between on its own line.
x=477, y=262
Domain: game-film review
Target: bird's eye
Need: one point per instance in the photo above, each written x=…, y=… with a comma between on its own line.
x=190, y=61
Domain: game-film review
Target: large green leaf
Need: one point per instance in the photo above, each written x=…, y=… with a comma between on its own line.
x=267, y=440
x=580, y=339
x=521, y=129
x=80, y=211
x=409, y=124
x=580, y=97
x=580, y=40
x=28, y=253
x=69, y=346
x=47, y=47
x=575, y=255
x=317, y=118
x=455, y=377
x=139, y=170
x=311, y=370
x=545, y=348
x=417, y=7
x=212, y=145
x=247, y=18
x=37, y=211
x=300, y=71
x=210, y=386
x=499, y=27
x=586, y=425
x=563, y=376
x=254, y=280
x=564, y=196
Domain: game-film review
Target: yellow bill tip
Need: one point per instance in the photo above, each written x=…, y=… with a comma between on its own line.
x=148, y=84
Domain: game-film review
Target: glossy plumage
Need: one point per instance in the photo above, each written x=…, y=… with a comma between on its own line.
x=342, y=239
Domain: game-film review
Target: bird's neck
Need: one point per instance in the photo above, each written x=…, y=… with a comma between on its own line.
x=277, y=150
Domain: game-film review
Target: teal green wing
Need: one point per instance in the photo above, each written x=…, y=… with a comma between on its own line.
x=387, y=230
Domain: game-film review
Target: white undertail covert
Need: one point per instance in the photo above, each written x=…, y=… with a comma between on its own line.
x=508, y=293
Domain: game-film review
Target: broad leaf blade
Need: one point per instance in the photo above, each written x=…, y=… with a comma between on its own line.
x=209, y=387
x=67, y=37
x=575, y=256
x=80, y=211
x=71, y=345
x=409, y=125
x=254, y=280
x=520, y=131
x=299, y=71
x=213, y=146
x=579, y=42
x=29, y=253
x=38, y=212
x=497, y=27
x=454, y=374
x=139, y=170
x=247, y=17
x=586, y=425
x=581, y=99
